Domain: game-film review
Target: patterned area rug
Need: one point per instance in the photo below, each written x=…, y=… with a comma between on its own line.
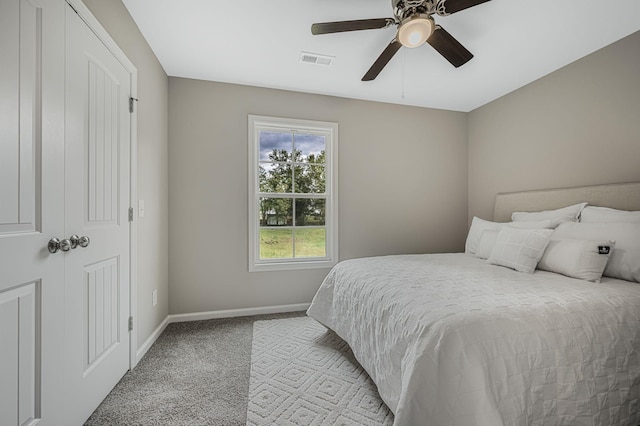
x=303, y=374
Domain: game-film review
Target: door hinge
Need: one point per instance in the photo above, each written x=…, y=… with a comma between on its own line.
x=130, y=214
x=130, y=323
x=131, y=100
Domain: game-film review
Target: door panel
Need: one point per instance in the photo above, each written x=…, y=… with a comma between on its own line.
x=20, y=352
x=20, y=29
x=97, y=152
x=31, y=211
x=101, y=295
x=102, y=190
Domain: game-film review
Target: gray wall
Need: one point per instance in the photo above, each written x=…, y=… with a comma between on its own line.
x=152, y=162
x=402, y=188
x=577, y=126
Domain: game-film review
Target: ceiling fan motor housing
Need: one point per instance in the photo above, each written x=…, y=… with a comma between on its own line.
x=403, y=9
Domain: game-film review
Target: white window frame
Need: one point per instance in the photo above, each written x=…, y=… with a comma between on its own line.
x=330, y=130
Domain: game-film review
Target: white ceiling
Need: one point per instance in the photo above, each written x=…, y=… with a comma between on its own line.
x=259, y=42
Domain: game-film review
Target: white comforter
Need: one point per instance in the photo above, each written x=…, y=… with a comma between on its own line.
x=451, y=340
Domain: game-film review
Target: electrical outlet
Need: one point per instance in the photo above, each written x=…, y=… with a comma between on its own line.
x=154, y=296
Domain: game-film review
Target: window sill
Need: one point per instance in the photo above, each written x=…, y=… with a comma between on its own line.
x=292, y=266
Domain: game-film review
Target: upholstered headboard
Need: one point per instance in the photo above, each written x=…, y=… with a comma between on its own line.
x=623, y=196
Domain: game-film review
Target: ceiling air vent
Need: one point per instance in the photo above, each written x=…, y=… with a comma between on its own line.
x=314, y=58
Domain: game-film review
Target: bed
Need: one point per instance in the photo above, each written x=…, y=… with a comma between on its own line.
x=450, y=339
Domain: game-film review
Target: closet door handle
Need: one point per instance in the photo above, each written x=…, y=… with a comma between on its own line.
x=74, y=239
x=66, y=245
x=83, y=241
x=53, y=245
x=56, y=245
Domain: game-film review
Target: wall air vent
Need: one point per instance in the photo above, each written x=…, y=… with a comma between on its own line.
x=314, y=58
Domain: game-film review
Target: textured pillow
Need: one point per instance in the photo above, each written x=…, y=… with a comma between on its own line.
x=592, y=214
x=479, y=226
x=624, y=261
x=565, y=214
x=519, y=249
x=487, y=241
x=488, y=237
x=583, y=259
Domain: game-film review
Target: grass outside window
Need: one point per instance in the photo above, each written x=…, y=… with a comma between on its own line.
x=278, y=243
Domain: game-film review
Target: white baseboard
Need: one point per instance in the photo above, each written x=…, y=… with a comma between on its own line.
x=232, y=313
x=226, y=313
x=142, y=350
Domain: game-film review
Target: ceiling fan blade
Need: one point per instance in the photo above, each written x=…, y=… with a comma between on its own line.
x=342, y=26
x=449, y=47
x=453, y=6
x=382, y=60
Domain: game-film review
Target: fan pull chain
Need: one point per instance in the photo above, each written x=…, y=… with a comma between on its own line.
x=402, y=66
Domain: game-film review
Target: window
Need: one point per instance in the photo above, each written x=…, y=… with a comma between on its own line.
x=292, y=194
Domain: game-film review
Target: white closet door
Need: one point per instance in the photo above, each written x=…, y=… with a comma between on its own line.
x=97, y=176
x=31, y=211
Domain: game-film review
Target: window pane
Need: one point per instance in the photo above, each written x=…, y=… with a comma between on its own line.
x=276, y=243
x=309, y=179
x=310, y=212
x=275, y=212
x=275, y=146
x=275, y=177
x=311, y=242
x=310, y=147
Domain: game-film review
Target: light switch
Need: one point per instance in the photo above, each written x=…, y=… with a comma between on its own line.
x=140, y=208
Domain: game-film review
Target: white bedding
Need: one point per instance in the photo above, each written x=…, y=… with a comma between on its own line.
x=452, y=340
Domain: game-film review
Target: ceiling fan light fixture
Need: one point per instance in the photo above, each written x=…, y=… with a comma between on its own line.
x=415, y=30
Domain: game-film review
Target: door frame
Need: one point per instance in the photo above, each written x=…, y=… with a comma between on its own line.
x=91, y=21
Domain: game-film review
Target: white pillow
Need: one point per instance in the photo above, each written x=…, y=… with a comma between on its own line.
x=583, y=259
x=519, y=249
x=534, y=224
x=479, y=226
x=475, y=233
x=487, y=241
x=593, y=214
x=624, y=261
x=565, y=214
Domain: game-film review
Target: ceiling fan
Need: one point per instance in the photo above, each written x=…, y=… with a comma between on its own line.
x=415, y=26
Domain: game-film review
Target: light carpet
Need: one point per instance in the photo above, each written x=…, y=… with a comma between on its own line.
x=303, y=374
x=195, y=374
